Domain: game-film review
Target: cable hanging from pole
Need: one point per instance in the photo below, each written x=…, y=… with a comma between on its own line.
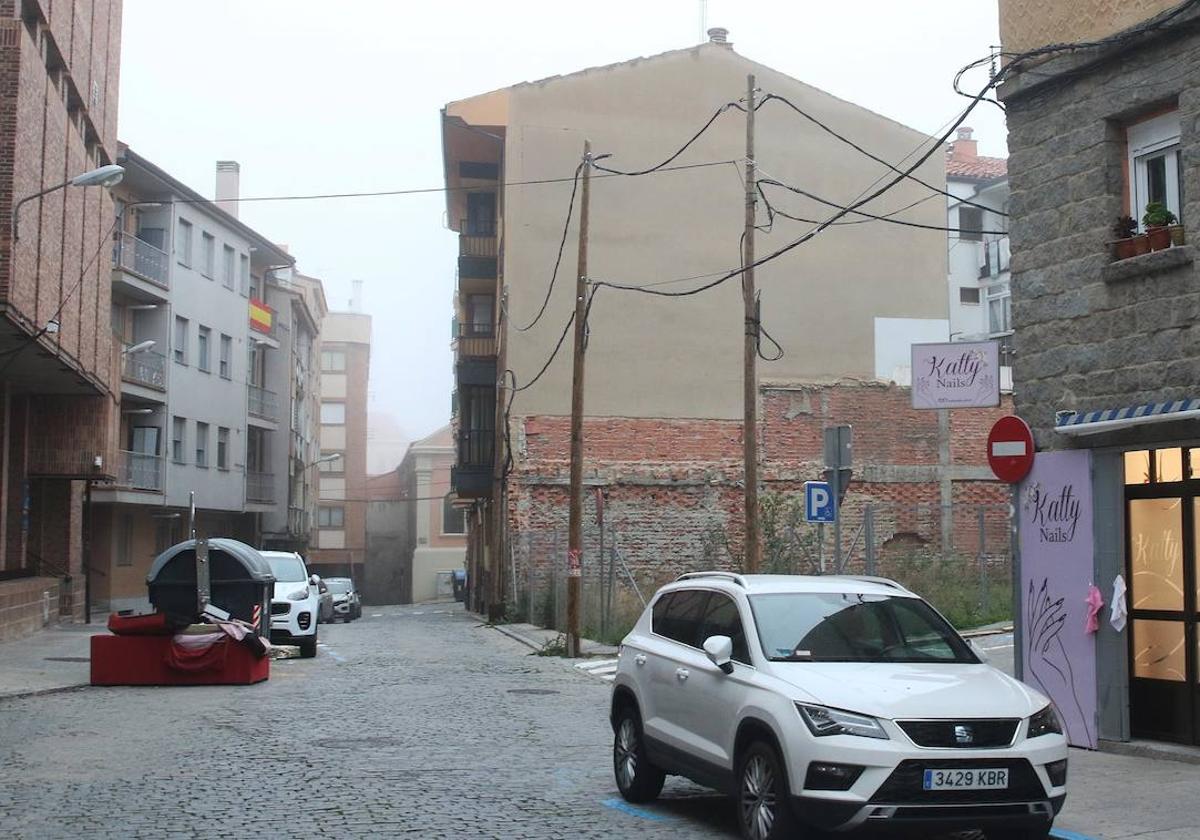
x=674, y=156
x=558, y=259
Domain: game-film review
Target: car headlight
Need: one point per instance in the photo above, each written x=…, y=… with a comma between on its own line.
x=298, y=595
x=1044, y=722
x=823, y=721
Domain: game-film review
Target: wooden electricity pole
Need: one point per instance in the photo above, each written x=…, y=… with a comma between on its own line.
x=752, y=548
x=575, y=520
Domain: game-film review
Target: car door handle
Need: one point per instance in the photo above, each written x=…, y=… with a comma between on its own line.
x=640, y=659
x=681, y=674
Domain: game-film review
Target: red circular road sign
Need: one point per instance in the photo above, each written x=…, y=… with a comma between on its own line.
x=1010, y=449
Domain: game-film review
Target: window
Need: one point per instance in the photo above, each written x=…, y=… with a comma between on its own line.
x=208, y=254
x=202, y=356
x=970, y=223
x=125, y=541
x=227, y=267
x=333, y=361
x=723, y=619
x=164, y=536
x=226, y=362
x=178, y=439
x=681, y=621
x=1154, y=165
x=244, y=276
x=331, y=517
x=968, y=294
x=333, y=414
x=181, y=340
x=201, y=444
x=333, y=465
x=222, y=448
x=999, y=302
x=454, y=520
x=183, y=245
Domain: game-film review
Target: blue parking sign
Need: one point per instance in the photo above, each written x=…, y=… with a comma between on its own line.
x=819, y=503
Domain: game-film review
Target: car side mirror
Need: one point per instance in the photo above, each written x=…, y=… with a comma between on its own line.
x=978, y=651
x=314, y=580
x=719, y=650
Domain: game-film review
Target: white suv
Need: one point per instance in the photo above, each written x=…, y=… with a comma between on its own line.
x=295, y=603
x=831, y=703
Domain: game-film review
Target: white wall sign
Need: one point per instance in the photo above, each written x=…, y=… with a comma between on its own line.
x=956, y=375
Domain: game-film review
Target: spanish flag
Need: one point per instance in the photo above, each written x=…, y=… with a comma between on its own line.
x=260, y=316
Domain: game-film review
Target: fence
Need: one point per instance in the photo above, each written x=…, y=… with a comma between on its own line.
x=961, y=561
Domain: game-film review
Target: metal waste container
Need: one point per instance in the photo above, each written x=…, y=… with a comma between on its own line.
x=239, y=579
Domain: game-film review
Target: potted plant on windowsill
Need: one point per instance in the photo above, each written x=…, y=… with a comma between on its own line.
x=1128, y=243
x=1158, y=220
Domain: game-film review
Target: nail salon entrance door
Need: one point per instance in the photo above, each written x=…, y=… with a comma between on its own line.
x=1162, y=509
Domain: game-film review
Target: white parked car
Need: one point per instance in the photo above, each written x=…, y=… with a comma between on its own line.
x=832, y=703
x=295, y=603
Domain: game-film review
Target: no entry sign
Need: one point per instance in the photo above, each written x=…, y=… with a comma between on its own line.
x=1010, y=449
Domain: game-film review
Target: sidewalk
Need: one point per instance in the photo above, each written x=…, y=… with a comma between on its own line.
x=537, y=638
x=55, y=659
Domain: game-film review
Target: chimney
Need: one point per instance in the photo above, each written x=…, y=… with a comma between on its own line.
x=356, y=296
x=228, y=177
x=965, y=148
x=719, y=35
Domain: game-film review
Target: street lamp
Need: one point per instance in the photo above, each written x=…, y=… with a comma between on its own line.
x=139, y=347
x=105, y=176
x=331, y=457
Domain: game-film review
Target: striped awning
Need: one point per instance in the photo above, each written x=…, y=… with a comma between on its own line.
x=1108, y=419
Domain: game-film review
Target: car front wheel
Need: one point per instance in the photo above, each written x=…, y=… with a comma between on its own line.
x=308, y=647
x=764, y=812
x=637, y=779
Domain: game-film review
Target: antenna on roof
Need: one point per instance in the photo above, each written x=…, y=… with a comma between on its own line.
x=703, y=21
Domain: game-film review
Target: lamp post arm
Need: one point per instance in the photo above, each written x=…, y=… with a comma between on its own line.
x=17, y=207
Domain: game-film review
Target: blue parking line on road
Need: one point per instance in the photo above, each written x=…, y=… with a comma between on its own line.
x=1063, y=834
x=333, y=653
x=625, y=808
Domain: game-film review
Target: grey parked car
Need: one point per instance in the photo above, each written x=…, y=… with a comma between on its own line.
x=325, y=613
x=347, y=605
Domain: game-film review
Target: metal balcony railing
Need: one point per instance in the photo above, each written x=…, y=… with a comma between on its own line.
x=477, y=238
x=476, y=341
x=263, y=404
x=145, y=367
x=475, y=447
x=260, y=487
x=143, y=259
x=140, y=471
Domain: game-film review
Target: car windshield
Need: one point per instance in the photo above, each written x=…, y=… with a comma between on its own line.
x=287, y=569
x=853, y=627
x=339, y=587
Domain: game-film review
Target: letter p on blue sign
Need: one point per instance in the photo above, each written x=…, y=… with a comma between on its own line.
x=819, y=504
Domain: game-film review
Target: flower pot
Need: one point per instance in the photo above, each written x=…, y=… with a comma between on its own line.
x=1123, y=249
x=1141, y=244
x=1177, y=237
x=1160, y=237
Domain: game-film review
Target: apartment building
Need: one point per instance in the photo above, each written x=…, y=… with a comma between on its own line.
x=341, y=529
x=663, y=399
x=205, y=366
x=435, y=534
x=57, y=367
x=1108, y=368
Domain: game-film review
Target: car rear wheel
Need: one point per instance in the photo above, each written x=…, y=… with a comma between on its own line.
x=764, y=811
x=308, y=647
x=637, y=779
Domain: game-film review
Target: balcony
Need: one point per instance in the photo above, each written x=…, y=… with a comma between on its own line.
x=260, y=487
x=140, y=471
x=262, y=403
x=471, y=477
x=477, y=249
x=146, y=368
x=143, y=259
x=476, y=341
x=297, y=522
x=264, y=321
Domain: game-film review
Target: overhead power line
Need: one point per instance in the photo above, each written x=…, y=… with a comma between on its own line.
x=557, y=260
x=716, y=114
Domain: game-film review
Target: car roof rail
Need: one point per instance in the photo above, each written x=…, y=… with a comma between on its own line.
x=882, y=581
x=736, y=578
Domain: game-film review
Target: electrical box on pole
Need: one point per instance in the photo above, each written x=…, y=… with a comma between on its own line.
x=839, y=449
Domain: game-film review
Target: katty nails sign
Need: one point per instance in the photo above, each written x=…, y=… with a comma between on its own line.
x=956, y=375
x=1055, y=521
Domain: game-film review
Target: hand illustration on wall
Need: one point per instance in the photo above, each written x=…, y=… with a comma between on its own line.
x=1047, y=661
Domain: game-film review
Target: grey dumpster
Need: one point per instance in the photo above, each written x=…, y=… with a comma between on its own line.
x=239, y=581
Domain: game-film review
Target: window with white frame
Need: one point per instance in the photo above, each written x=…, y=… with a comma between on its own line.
x=180, y=340
x=183, y=242
x=244, y=275
x=331, y=517
x=226, y=362
x=999, y=303
x=1154, y=165
x=201, y=444
x=208, y=254
x=203, y=340
x=227, y=257
x=222, y=448
x=333, y=413
x=178, y=439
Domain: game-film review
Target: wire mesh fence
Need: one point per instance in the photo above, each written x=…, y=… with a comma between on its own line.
x=958, y=558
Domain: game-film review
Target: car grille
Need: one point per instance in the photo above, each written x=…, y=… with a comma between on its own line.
x=905, y=785
x=982, y=734
x=280, y=608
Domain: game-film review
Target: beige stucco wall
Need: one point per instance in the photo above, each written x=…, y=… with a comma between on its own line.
x=1027, y=24
x=427, y=562
x=683, y=357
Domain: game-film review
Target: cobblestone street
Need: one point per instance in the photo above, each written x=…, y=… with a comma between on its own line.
x=415, y=721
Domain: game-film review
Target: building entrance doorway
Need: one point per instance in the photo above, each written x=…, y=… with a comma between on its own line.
x=1162, y=506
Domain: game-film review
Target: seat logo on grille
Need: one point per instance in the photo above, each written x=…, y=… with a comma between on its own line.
x=964, y=736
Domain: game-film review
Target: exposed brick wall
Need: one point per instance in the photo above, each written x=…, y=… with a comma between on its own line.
x=27, y=605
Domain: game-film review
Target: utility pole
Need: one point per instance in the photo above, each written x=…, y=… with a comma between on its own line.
x=575, y=520
x=752, y=550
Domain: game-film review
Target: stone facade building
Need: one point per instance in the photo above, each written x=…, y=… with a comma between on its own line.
x=1108, y=362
